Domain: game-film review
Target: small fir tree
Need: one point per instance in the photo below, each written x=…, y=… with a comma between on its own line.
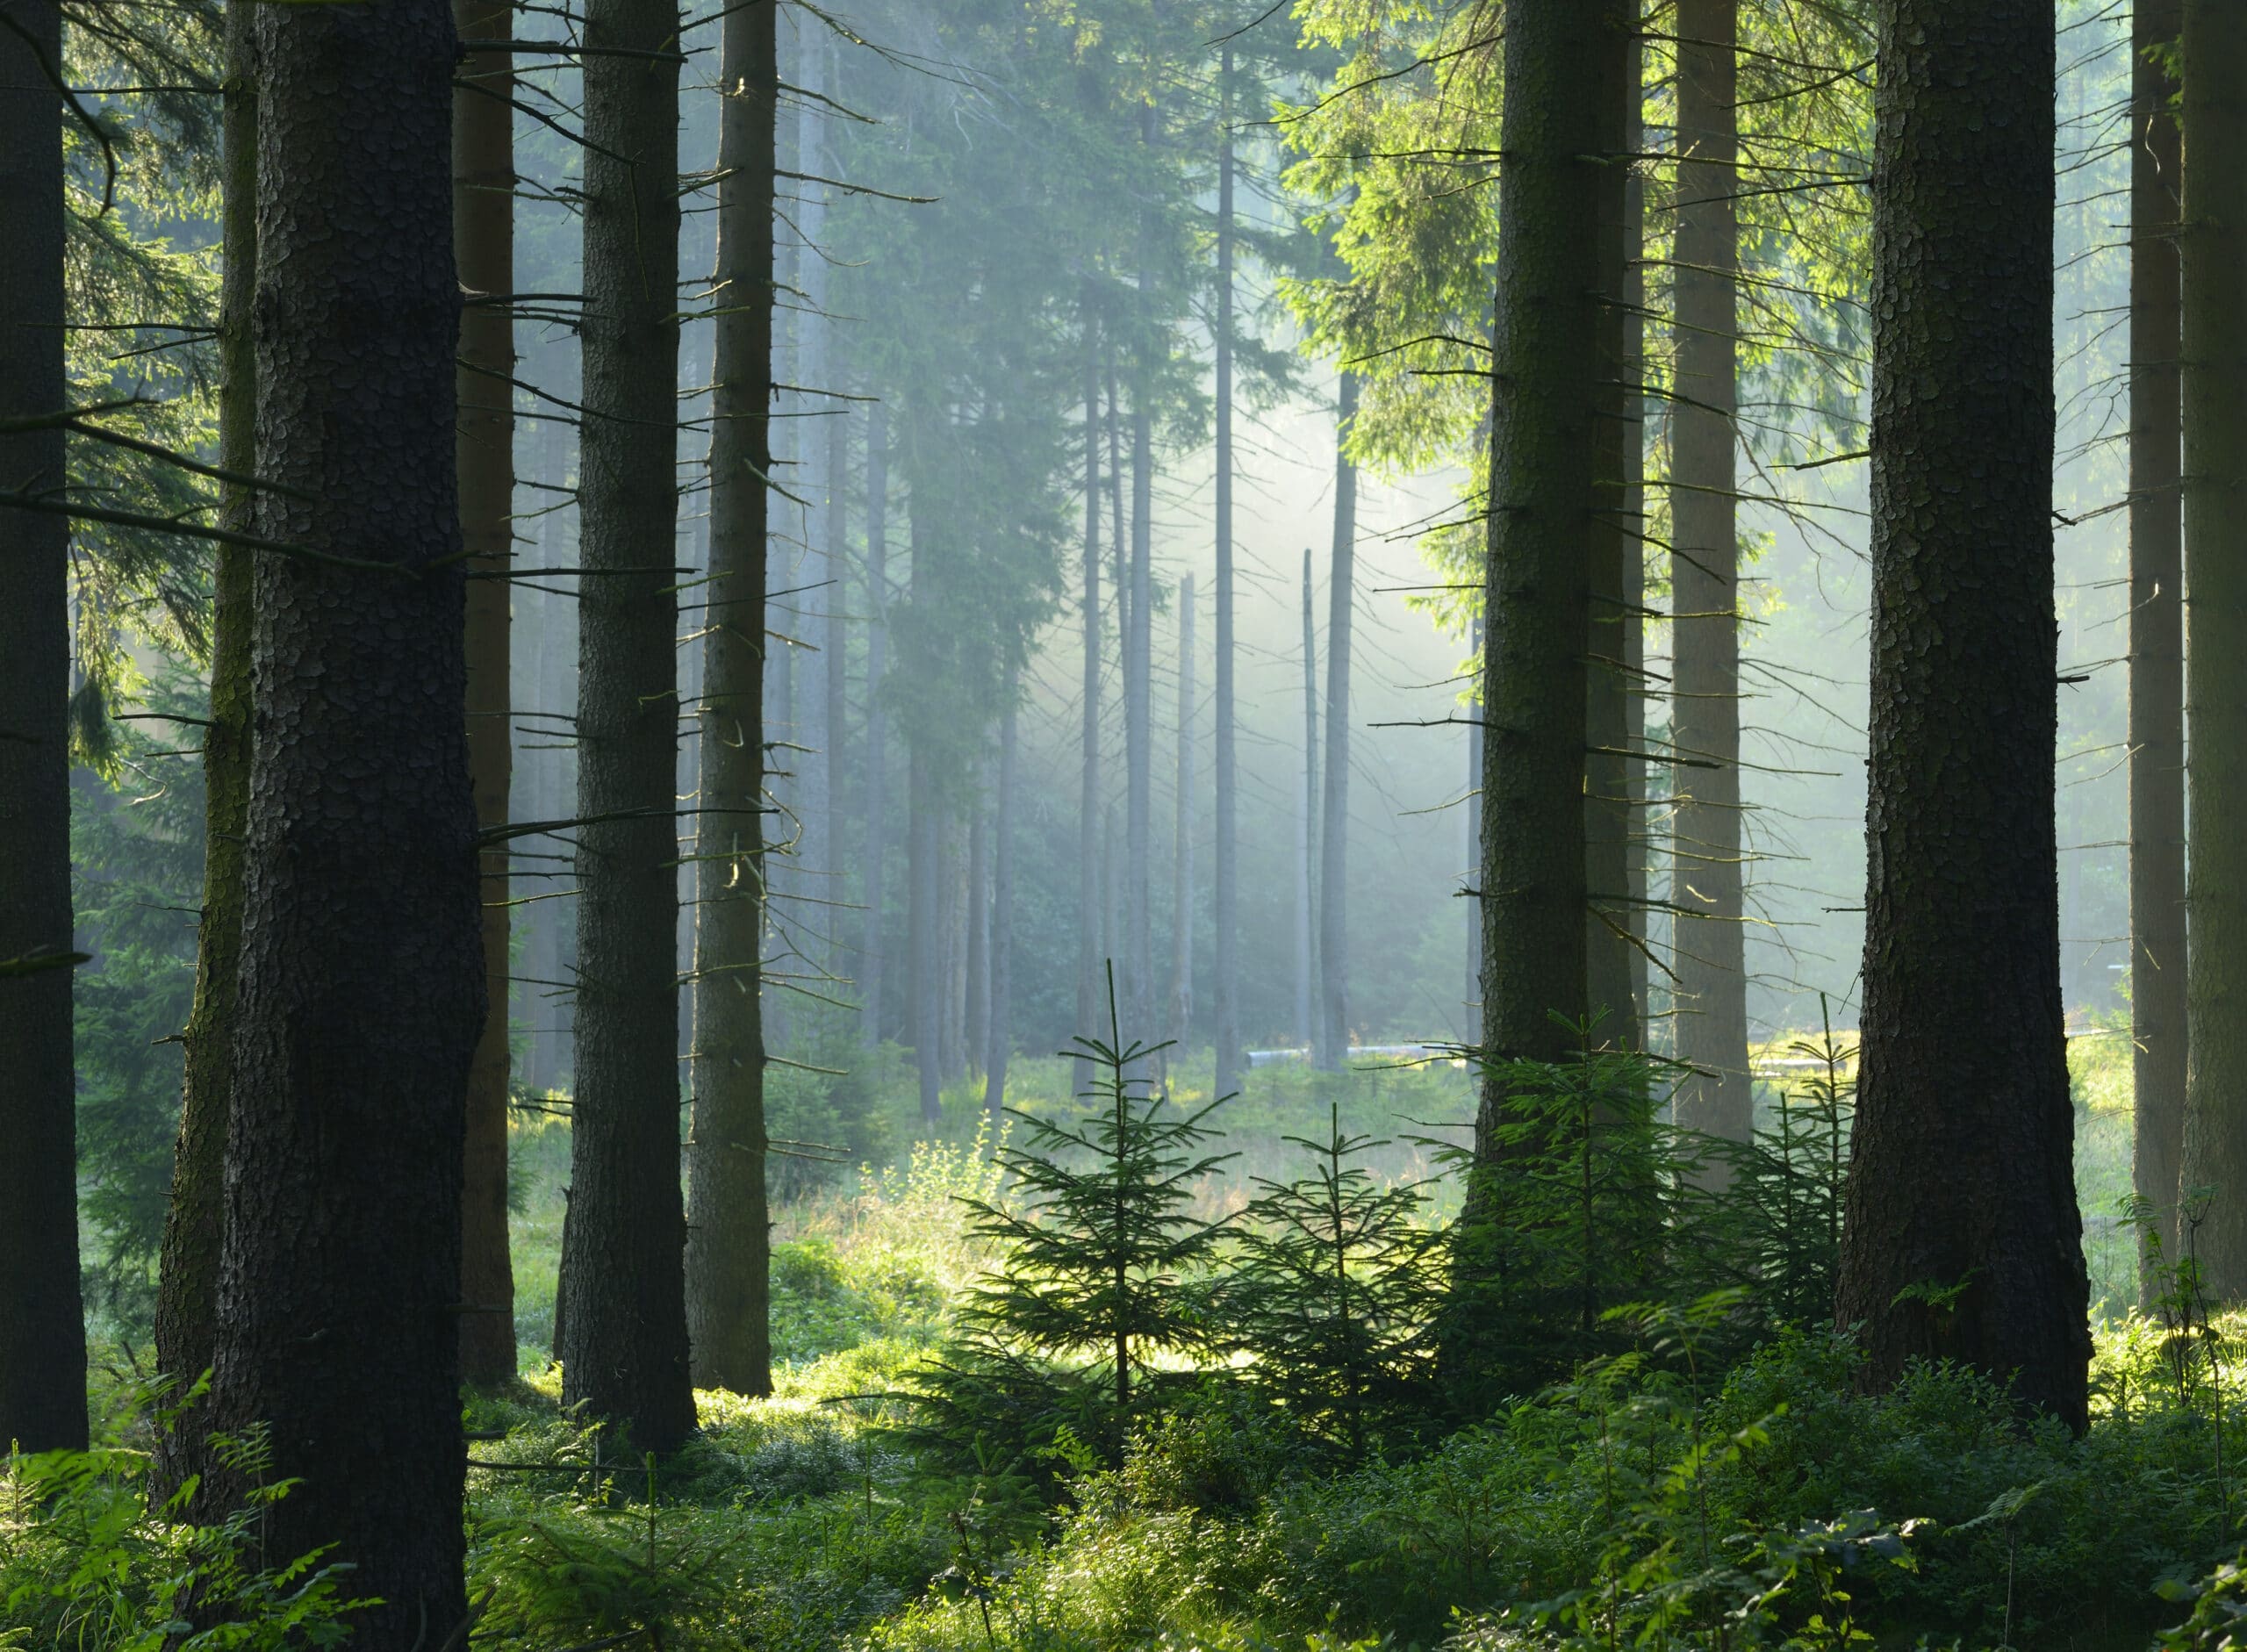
x=1335, y=1286
x=1100, y=1270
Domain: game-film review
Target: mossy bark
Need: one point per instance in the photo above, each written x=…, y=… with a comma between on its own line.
x=1963, y=1238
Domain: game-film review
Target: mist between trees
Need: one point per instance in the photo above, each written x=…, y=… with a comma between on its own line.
x=776, y=704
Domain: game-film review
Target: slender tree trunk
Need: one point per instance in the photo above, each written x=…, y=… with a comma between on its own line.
x=187, y=1276
x=1002, y=1042
x=1608, y=950
x=976, y=928
x=1963, y=1238
x=924, y=881
x=1225, y=896
x=624, y=1287
x=1090, y=937
x=1470, y=1021
x=816, y=562
x=728, y=1239
x=1306, y=834
x=834, y=663
x=1181, y=854
x=872, y=955
x=952, y=1047
x=1332, y=1029
x=42, y=1330
x=483, y=239
x=1717, y=1095
x=2156, y=713
x=1536, y=601
x=362, y=973
x=2214, y=241
x=1138, y=703
x=1633, y=523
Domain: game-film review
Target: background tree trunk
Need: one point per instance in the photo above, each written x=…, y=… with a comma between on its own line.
x=976, y=928
x=42, y=1330
x=924, y=885
x=816, y=561
x=2214, y=403
x=728, y=1239
x=1711, y=990
x=187, y=1274
x=1962, y=1240
x=1091, y=786
x=1470, y=1020
x=1225, y=896
x=362, y=983
x=873, y=957
x=626, y=1356
x=1002, y=912
x=2156, y=710
x=1182, y=900
x=1634, y=523
x=1331, y=1036
x=484, y=242
x=1306, y=836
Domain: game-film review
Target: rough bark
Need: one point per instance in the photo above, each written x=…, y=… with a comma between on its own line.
x=1332, y=1039
x=1002, y=1041
x=872, y=955
x=1306, y=834
x=625, y=1357
x=1225, y=895
x=1962, y=1240
x=728, y=1240
x=1090, y=937
x=42, y=1334
x=2157, y=709
x=1717, y=1097
x=2215, y=406
x=1181, y=852
x=187, y=1272
x=483, y=240
x=362, y=971
x=1608, y=950
x=1536, y=597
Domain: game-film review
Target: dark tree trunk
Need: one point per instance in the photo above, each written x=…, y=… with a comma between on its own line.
x=1307, y=836
x=1002, y=1041
x=483, y=240
x=1181, y=853
x=362, y=971
x=1608, y=950
x=2214, y=404
x=1225, y=893
x=1536, y=601
x=1090, y=938
x=2157, y=713
x=728, y=1241
x=872, y=956
x=625, y=1359
x=42, y=1331
x=1332, y=1039
x=187, y=1274
x=1962, y=1240
x=1712, y=988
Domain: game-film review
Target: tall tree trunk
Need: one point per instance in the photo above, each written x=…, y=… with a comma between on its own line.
x=1633, y=523
x=1962, y=1240
x=1470, y=1019
x=624, y=1283
x=728, y=1240
x=1225, y=896
x=1001, y=1040
x=1717, y=1095
x=1181, y=854
x=42, y=1330
x=484, y=241
x=1608, y=950
x=187, y=1274
x=1090, y=938
x=1138, y=703
x=2214, y=241
x=1331, y=1039
x=2156, y=713
x=951, y=1045
x=872, y=955
x=976, y=928
x=1536, y=599
x=1306, y=834
x=925, y=882
x=816, y=562
x=834, y=670
x=362, y=971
